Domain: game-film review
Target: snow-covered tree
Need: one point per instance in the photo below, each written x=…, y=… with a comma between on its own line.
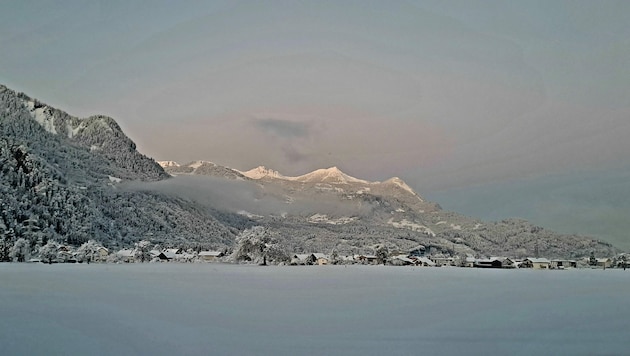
x=21, y=250
x=48, y=252
x=257, y=245
x=381, y=255
x=89, y=251
x=142, y=252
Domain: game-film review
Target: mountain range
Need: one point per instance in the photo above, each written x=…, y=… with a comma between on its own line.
x=328, y=208
x=72, y=179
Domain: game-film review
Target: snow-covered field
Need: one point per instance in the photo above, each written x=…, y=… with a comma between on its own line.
x=214, y=309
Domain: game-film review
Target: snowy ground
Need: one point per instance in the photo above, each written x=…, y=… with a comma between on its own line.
x=186, y=309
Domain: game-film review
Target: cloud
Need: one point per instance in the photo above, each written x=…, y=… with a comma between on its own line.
x=283, y=128
x=237, y=196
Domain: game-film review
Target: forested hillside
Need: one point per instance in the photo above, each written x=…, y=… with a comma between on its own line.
x=59, y=178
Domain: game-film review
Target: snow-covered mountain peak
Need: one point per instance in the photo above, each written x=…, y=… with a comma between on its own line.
x=400, y=183
x=329, y=175
x=261, y=172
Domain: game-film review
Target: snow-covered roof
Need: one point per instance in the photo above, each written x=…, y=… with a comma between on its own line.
x=125, y=253
x=425, y=260
x=211, y=253
x=169, y=254
x=538, y=260
x=403, y=258
x=320, y=255
x=302, y=256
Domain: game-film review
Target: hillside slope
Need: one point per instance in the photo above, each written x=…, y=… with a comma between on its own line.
x=63, y=178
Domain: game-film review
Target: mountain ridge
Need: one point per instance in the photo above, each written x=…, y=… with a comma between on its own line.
x=71, y=179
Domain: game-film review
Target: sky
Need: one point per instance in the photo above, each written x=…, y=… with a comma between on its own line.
x=455, y=97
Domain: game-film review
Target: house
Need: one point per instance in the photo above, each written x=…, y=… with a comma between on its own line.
x=171, y=252
x=402, y=260
x=126, y=255
x=102, y=253
x=604, y=262
x=536, y=263
x=487, y=263
x=495, y=262
x=506, y=262
x=422, y=261
x=562, y=264
x=303, y=259
x=443, y=261
x=366, y=259
x=469, y=261
x=321, y=259
x=210, y=256
x=66, y=256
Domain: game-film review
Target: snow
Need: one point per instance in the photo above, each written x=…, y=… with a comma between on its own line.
x=40, y=115
x=323, y=218
x=399, y=182
x=330, y=175
x=261, y=172
x=114, y=179
x=456, y=227
x=185, y=309
x=406, y=224
x=249, y=215
x=103, y=122
x=165, y=164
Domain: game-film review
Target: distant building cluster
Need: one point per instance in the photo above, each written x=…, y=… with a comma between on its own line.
x=254, y=248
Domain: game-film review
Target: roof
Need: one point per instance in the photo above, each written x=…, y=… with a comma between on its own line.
x=303, y=256
x=320, y=255
x=425, y=260
x=211, y=253
x=125, y=253
x=404, y=258
x=538, y=260
x=169, y=254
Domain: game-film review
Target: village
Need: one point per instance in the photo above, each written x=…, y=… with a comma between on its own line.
x=93, y=252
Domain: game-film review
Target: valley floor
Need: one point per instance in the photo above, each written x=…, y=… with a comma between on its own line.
x=222, y=309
